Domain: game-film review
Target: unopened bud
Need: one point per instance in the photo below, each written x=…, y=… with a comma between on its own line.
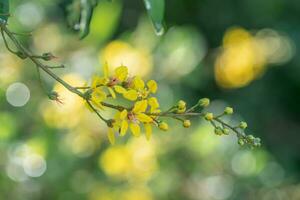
x=228, y=111
x=250, y=138
x=181, y=105
x=209, y=116
x=204, y=102
x=226, y=131
x=243, y=125
x=186, y=123
x=53, y=95
x=48, y=56
x=241, y=142
x=181, y=110
x=163, y=126
x=218, y=131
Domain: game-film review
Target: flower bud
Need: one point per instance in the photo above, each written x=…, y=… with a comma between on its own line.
x=163, y=126
x=48, y=56
x=53, y=95
x=228, y=111
x=204, y=102
x=241, y=142
x=226, y=131
x=250, y=138
x=209, y=116
x=243, y=125
x=181, y=105
x=256, y=142
x=186, y=123
x=218, y=131
x=181, y=110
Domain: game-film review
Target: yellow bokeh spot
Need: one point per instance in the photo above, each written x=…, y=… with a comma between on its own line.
x=70, y=112
x=136, y=194
x=116, y=161
x=38, y=145
x=124, y=162
x=117, y=53
x=241, y=61
x=10, y=69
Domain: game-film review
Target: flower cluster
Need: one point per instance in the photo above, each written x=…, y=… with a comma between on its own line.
x=144, y=112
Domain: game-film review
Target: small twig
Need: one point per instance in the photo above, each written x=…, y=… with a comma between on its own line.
x=96, y=111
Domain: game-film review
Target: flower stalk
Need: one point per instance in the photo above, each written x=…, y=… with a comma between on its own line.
x=144, y=111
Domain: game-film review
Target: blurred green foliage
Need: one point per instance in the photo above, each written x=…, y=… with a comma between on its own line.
x=50, y=151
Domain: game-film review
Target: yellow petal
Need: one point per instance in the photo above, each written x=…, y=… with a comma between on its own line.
x=144, y=118
x=97, y=103
x=120, y=89
x=123, y=114
x=112, y=92
x=131, y=95
x=121, y=73
x=98, y=95
x=153, y=103
x=135, y=129
x=98, y=81
x=105, y=70
x=140, y=106
x=148, y=130
x=144, y=93
x=138, y=83
x=124, y=127
x=111, y=135
x=152, y=86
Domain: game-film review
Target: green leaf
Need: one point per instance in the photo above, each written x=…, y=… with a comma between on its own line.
x=156, y=9
x=4, y=9
x=86, y=16
x=80, y=14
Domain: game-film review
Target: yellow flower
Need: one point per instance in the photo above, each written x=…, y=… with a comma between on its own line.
x=139, y=85
x=98, y=81
x=111, y=135
x=132, y=119
x=154, y=105
x=131, y=95
x=120, y=75
x=152, y=86
x=97, y=95
x=148, y=130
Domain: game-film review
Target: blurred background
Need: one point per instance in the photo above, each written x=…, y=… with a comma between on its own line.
x=239, y=53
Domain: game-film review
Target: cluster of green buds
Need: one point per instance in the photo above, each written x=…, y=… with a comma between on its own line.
x=222, y=128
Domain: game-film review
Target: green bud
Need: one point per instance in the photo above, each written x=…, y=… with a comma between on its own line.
x=218, y=131
x=204, y=102
x=209, y=116
x=250, y=138
x=228, y=111
x=226, y=131
x=53, y=95
x=243, y=125
x=186, y=123
x=48, y=56
x=241, y=142
x=181, y=105
x=256, y=142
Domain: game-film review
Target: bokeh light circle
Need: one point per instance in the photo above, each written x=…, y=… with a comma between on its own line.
x=34, y=165
x=17, y=94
